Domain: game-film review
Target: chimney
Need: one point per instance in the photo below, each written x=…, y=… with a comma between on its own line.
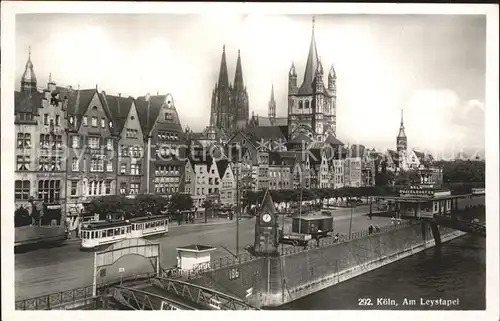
x=148, y=96
x=119, y=94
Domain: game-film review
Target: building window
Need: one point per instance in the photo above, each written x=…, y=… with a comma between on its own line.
x=300, y=104
x=74, y=185
x=131, y=133
x=46, y=119
x=94, y=142
x=22, y=190
x=49, y=190
x=135, y=169
x=124, y=151
x=136, y=151
x=103, y=123
x=58, y=141
x=168, y=116
x=123, y=188
x=44, y=141
x=107, y=187
x=23, y=163
x=75, y=165
x=307, y=104
x=85, y=121
x=97, y=165
x=109, y=166
x=123, y=168
x=94, y=121
x=134, y=188
x=58, y=120
x=75, y=141
x=23, y=140
x=109, y=143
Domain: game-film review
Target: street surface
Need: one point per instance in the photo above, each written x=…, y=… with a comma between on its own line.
x=50, y=270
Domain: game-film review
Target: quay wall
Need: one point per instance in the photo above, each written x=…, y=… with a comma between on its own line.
x=278, y=280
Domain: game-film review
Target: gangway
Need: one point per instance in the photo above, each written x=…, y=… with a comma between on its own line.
x=136, y=299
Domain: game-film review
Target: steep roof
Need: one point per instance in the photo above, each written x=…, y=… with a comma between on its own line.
x=147, y=112
x=265, y=132
x=222, y=166
x=79, y=101
x=266, y=121
x=119, y=108
x=311, y=65
x=27, y=103
x=300, y=138
x=332, y=140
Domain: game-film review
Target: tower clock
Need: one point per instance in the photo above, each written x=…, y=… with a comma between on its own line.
x=266, y=228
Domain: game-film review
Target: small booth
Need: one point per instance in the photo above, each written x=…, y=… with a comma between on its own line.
x=419, y=201
x=191, y=255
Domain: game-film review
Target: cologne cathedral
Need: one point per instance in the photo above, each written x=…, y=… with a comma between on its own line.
x=229, y=108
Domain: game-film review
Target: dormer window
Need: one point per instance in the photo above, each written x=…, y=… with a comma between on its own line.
x=103, y=123
x=168, y=116
x=85, y=121
x=110, y=124
x=94, y=121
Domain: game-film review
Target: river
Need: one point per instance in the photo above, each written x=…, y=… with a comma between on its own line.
x=457, y=270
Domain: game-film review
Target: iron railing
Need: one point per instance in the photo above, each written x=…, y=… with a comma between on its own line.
x=208, y=298
x=51, y=301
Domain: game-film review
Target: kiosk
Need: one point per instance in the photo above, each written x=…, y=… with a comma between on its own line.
x=191, y=255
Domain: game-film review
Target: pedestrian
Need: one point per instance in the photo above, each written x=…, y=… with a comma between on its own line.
x=317, y=240
x=370, y=229
x=377, y=229
x=393, y=220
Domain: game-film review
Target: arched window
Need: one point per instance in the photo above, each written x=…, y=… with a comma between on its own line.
x=307, y=104
x=300, y=104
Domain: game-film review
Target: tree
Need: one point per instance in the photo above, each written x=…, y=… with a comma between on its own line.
x=408, y=177
x=207, y=204
x=180, y=202
x=21, y=217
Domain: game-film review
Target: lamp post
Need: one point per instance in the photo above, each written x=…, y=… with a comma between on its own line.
x=238, y=209
x=300, y=202
x=350, y=220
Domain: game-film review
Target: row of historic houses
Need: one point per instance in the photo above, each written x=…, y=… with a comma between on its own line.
x=77, y=144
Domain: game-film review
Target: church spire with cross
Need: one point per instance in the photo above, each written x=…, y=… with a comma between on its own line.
x=401, y=140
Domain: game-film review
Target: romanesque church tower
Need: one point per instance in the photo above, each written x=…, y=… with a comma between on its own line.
x=229, y=108
x=312, y=106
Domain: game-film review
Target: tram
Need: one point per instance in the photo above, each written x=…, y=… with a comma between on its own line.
x=96, y=235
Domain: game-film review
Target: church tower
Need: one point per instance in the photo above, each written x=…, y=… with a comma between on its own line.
x=221, y=115
x=272, y=107
x=240, y=98
x=311, y=107
x=28, y=80
x=401, y=140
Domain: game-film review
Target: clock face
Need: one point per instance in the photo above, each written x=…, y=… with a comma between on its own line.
x=266, y=218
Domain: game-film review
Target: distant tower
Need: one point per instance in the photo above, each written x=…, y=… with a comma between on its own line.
x=272, y=107
x=401, y=140
x=28, y=80
x=221, y=98
x=239, y=98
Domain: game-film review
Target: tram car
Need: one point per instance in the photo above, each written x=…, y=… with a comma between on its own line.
x=97, y=235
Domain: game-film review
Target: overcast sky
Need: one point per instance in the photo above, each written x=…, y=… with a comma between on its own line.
x=433, y=67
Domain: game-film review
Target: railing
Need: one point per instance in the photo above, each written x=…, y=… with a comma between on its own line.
x=56, y=300
x=222, y=263
x=48, y=302
x=328, y=241
x=209, y=298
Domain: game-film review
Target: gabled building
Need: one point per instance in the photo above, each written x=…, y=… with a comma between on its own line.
x=352, y=172
x=227, y=183
x=164, y=138
x=130, y=162
x=39, y=123
x=202, y=181
x=280, y=168
x=92, y=141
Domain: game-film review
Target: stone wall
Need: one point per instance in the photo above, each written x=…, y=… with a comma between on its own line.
x=279, y=280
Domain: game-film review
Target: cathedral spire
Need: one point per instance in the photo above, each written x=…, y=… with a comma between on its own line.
x=311, y=65
x=238, y=75
x=401, y=140
x=272, y=105
x=223, y=76
x=28, y=80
